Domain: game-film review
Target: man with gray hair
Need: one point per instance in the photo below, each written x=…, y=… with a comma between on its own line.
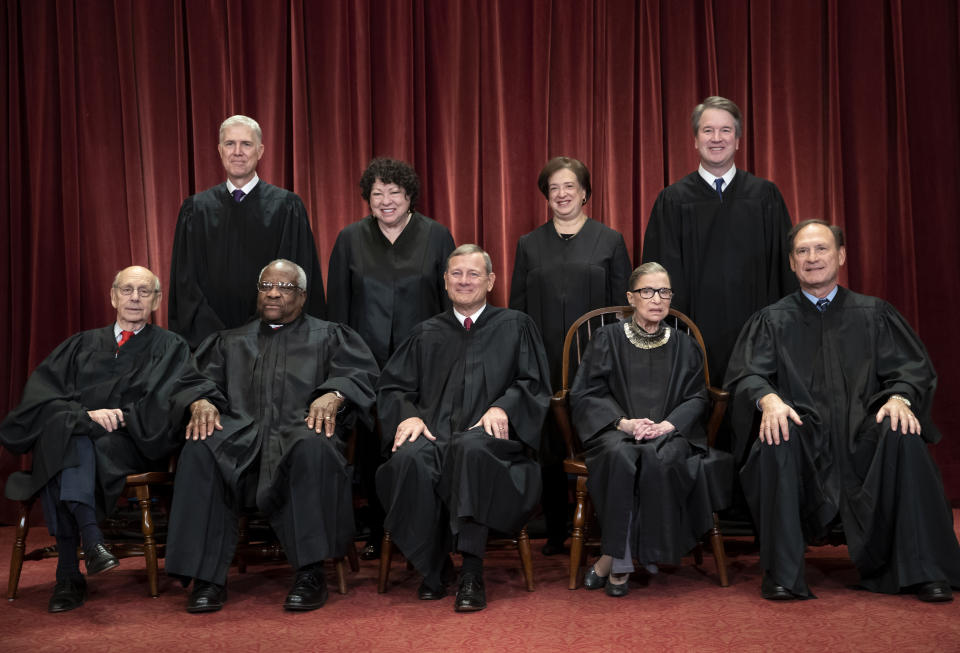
x=226, y=233
x=105, y=404
x=271, y=436
x=721, y=234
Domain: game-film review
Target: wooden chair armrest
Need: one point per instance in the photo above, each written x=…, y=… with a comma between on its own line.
x=719, y=398
x=560, y=406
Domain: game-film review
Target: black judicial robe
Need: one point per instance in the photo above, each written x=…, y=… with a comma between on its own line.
x=382, y=289
x=556, y=280
x=837, y=369
x=727, y=259
x=150, y=378
x=219, y=248
x=672, y=504
x=266, y=380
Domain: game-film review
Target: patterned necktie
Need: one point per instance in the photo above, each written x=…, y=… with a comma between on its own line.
x=718, y=182
x=124, y=336
x=467, y=323
x=238, y=194
x=822, y=304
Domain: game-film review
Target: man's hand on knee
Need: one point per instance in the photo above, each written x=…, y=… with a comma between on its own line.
x=776, y=418
x=109, y=418
x=204, y=418
x=495, y=423
x=409, y=430
x=900, y=416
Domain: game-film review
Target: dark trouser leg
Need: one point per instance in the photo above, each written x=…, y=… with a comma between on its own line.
x=368, y=461
x=772, y=482
x=63, y=526
x=310, y=504
x=69, y=506
x=554, y=502
x=203, y=521
x=415, y=517
x=612, y=463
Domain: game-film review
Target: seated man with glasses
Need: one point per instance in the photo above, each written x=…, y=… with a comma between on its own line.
x=844, y=388
x=95, y=410
x=461, y=403
x=272, y=436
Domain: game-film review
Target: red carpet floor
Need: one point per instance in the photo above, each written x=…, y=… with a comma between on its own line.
x=680, y=609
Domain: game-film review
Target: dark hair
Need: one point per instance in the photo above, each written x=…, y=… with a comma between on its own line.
x=834, y=229
x=390, y=171
x=561, y=163
x=717, y=102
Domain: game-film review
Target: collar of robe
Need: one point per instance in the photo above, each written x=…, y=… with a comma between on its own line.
x=643, y=340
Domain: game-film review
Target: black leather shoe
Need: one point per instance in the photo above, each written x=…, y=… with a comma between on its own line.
x=592, y=580
x=427, y=593
x=773, y=592
x=471, y=596
x=68, y=594
x=309, y=591
x=615, y=590
x=99, y=559
x=936, y=591
x=206, y=597
x=370, y=552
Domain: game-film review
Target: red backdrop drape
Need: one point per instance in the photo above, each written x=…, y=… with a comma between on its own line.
x=111, y=112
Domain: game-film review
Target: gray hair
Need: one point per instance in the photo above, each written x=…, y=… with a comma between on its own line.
x=717, y=102
x=650, y=267
x=834, y=229
x=244, y=121
x=470, y=248
x=301, y=275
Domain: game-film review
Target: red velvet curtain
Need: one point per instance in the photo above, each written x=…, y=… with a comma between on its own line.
x=111, y=112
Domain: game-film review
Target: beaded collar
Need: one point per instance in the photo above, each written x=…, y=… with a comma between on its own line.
x=643, y=340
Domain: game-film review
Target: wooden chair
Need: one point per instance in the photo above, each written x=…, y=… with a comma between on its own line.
x=497, y=541
x=574, y=347
x=137, y=486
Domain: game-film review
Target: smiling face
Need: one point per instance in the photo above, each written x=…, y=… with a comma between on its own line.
x=649, y=312
x=467, y=282
x=565, y=195
x=240, y=151
x=816, y=259
x=716, y=140
x=275, y=306
x=389, y=203
x=133, y=310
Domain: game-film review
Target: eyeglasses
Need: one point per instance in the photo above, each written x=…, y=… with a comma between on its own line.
x=285, y=288
x=647, y=293
x=472, y=275
x=126, y=291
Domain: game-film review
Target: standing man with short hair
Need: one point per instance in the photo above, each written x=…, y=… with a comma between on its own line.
x=721, y=234
x=225, y=234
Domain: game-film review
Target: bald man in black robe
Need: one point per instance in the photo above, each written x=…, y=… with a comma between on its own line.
x=462, y=402
x=102, y=405
x=845, y=389
x=272, y=437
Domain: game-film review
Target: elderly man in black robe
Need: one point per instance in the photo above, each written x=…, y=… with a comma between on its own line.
x=273, y=437
x=226, y=233
x=95, y=410
x=721, y=234
x=461, y=403
x=845, y=388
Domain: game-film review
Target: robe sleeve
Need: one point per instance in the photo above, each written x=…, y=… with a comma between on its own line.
x=688, y=394
x=518, y=283
x=338, y=281
x=620, y=272
x=190, y=315
x=782, y=276
x=593, y=406
x=352, y=370
x=303, y=250
x=446, y=250
x=662, y=244
x=398, y=389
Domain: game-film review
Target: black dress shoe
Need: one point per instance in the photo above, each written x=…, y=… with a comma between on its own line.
x=592, y=580
x=773, y=592
x=68, y=594
x=935, y=592
x=206, y=597
x=309, y=591
x=370, y=552
x=427, y=593
x=471, y=596
x=98, y=559
x=615, y=590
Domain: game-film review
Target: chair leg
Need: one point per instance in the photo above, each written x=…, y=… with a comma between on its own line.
x=149, y=543
x=352, y=558
x=342, y=575
x=526, y=559
x=576, y=538
x=19, y=548
x=719, y=554
x=386, y=557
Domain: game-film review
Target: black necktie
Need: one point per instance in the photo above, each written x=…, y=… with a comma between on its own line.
x=822, y=304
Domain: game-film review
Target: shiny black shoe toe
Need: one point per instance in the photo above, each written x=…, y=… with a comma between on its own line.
x=615, y=590
x=594, y=581
x=99, y=559
x=370, y=552
x=309, y=592
x=68, y=594
x=773, y=592
x=427, y=593
x=206, y=597
x=471, y=597
x=937, y=591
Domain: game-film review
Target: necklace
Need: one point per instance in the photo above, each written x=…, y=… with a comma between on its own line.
x=643, y=340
